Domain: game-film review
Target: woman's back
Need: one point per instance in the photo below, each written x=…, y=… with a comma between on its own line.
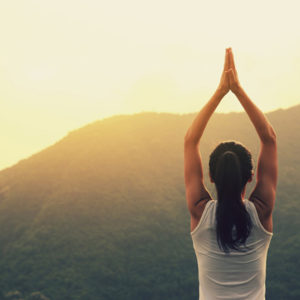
x=237, y=275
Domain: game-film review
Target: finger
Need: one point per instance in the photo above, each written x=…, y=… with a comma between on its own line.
x=231, y=60
x=227, y=78
x=226, y=63
x=230, y=75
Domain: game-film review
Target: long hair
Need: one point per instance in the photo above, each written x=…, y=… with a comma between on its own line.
x=230, y=167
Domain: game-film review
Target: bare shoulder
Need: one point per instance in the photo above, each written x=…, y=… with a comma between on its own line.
x=264, y=216
x=200, y=209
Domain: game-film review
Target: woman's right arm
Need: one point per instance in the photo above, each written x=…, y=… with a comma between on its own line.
x=267, y=167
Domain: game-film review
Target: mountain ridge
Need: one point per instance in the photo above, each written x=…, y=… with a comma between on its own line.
x=116, y=117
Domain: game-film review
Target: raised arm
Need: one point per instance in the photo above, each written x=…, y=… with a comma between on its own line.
x=195, y=131
x=264, y=192
x=196, y=191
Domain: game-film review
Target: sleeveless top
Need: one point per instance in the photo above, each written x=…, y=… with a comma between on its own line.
x=237, y=275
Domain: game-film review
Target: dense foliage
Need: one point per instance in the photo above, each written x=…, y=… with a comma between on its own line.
x=102, y=213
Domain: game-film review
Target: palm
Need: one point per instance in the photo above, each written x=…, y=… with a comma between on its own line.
x=224, y=84
x=234, y=83
x=229, y=79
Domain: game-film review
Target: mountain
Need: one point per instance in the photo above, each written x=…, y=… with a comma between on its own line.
x=101, y=214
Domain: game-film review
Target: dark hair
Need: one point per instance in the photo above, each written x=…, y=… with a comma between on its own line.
x=230, y=167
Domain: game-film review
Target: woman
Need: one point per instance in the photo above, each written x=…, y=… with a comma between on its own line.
x=231, y=235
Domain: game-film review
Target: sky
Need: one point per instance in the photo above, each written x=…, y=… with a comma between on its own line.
x=67, y=63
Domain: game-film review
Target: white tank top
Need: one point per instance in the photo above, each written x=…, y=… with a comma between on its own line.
x=236, y=275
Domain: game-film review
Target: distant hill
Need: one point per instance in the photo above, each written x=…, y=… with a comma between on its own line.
x=101, y=214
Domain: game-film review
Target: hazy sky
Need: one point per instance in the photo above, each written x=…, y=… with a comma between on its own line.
x=64, y=64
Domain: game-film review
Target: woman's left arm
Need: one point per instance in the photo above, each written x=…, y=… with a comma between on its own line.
x=193, y=171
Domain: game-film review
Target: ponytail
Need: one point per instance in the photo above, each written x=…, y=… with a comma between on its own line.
x=233, y=223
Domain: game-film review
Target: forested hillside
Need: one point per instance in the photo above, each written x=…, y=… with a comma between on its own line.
x=101, y=214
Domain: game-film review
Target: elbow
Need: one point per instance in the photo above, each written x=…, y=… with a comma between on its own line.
x=188, y=139
x=270, y=136
x=187, y=136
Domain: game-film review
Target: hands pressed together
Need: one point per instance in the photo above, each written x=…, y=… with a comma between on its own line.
x=229, y=79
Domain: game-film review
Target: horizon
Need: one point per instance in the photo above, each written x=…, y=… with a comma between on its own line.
x=124, y=114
